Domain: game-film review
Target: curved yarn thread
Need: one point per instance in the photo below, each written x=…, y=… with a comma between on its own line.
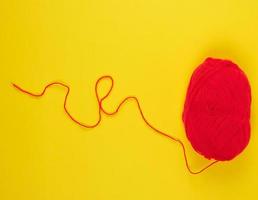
x=101, y=109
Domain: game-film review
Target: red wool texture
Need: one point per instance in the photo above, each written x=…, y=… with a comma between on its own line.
x=217, y=110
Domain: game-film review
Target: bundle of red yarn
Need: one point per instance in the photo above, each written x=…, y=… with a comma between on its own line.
x=217, y=110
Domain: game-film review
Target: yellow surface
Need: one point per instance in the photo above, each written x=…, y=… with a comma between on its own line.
x=151, y=49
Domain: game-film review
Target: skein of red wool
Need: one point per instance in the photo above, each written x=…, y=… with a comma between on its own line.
x=217, y=110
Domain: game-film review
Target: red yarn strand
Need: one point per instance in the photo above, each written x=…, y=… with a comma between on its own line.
x=101, y=109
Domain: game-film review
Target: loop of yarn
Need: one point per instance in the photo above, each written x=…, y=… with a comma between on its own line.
x=217, y=110
x=102, y=110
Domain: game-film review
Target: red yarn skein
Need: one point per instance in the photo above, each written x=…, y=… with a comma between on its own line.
x=217, y=110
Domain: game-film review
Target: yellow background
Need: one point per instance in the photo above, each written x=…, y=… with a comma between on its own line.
x=150, y=47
